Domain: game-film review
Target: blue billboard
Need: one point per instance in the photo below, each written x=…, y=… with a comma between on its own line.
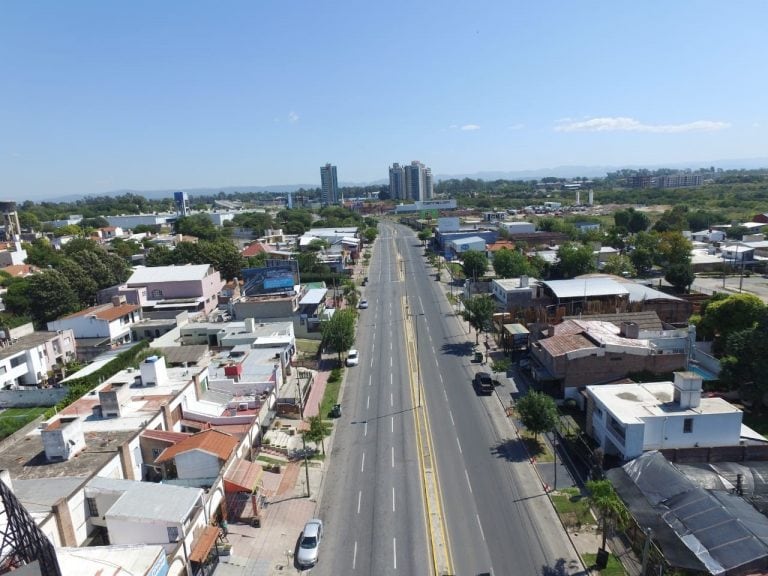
x=276, y=276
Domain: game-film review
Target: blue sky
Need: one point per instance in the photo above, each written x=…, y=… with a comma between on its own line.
x=99, y=96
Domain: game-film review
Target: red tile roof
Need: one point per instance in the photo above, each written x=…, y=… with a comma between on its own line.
x=20, y=269
x=253, y=249
x=165, y=436
x=212, y=442
x=500, y=245
x=108, y=312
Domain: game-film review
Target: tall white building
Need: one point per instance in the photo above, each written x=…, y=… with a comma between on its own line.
x=329, y=184
x=397, y=182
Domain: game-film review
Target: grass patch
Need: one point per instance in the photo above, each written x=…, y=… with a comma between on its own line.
x=613, y=568
x=14, y=419
x=309, y=347
x=20, y=413
x=572, y=507
x=536, y=447
x=270, y=461
x=331, y=394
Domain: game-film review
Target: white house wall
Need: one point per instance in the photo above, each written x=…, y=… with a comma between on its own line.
x=126, y=531
x=197, y=464
x=708, y=430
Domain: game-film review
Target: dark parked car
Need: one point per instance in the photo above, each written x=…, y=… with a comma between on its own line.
x=483, y=383
x=335, y=411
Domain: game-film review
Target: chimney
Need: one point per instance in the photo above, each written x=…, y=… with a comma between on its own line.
x=630, y=330
x=118, y=299
x=523, y=281
x=154, y=372
x=687, y=389
x=250, y=325
x=62, y=438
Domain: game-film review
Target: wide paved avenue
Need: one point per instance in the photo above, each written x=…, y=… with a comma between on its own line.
x=497, y=516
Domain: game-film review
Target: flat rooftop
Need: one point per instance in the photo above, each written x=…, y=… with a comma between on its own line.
x=631, y=403
x=25, y=458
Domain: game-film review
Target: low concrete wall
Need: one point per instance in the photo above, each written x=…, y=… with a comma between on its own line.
x=32, y=397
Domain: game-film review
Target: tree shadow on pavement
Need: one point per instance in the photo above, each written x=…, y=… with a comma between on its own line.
x=563, y=567
x=511, y=450
x=465, y=348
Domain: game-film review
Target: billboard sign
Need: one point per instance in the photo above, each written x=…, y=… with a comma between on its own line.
x=276, y=276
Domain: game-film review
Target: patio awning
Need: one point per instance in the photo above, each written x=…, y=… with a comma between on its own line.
x=242, y=477
x=203, y=544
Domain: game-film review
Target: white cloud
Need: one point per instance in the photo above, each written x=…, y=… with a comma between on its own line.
x=470, y=127
x=293, y=117
x=624, y=124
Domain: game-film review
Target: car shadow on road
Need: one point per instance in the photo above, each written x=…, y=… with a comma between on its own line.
x=465, y=348
x=511, y=450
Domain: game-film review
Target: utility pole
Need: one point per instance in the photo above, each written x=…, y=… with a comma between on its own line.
x=304, y=442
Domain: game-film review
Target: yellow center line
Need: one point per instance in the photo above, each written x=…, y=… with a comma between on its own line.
x=434, y=517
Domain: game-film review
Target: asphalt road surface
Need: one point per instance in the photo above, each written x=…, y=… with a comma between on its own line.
x=372, y=502
x=499, y=520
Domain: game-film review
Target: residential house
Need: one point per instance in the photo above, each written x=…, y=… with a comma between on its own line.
x=512, y=293
x=100, y=327
x=577, y=353
x=30, y=358
x=12, y=254
x=191, y=288
x=198, y=459
x=629, y=419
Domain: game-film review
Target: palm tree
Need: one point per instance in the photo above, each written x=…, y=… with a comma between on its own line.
x=611, y=510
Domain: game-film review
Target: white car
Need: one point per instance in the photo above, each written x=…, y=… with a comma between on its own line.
x=352, y=358
x=310, y=543
x=363, y=304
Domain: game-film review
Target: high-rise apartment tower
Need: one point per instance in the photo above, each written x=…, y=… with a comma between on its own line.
x=329, y=184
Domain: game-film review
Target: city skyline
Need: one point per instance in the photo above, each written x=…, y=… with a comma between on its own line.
x=101, y=97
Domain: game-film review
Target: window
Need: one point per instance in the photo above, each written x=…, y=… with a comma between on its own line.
x=173, y=533
x=156, y=294
x=156, y=452
x=688, y=425
x=93, y=509
x=18, y=361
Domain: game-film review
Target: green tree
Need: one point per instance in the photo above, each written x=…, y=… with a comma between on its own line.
x=42, y=254
x=680, y=275
x=745, y=363
x=611, y=511
x=83, y=284
x=619, y=264
x=631, y=220
x=424, y=235
x=17, y=299
x=645, y=245
x=370, y=234
x=510, y=264
x=722, y=315
x=339, y=332
x=317, y=431
x=537, y=412
x=574, y=260
x=673, y=248
x=198, y=225
x=674, y=220
x=475, y=263
x=478, y=311
x=52, y=296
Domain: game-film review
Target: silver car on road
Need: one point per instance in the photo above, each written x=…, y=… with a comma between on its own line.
x=310, y=543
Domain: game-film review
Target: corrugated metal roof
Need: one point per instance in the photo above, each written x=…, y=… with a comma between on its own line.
x=586, y=287
x=191, y=354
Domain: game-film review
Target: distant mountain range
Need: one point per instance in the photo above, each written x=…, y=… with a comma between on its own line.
x=558, y=172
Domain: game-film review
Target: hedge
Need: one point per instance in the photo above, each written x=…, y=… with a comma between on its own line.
x=79, y=387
